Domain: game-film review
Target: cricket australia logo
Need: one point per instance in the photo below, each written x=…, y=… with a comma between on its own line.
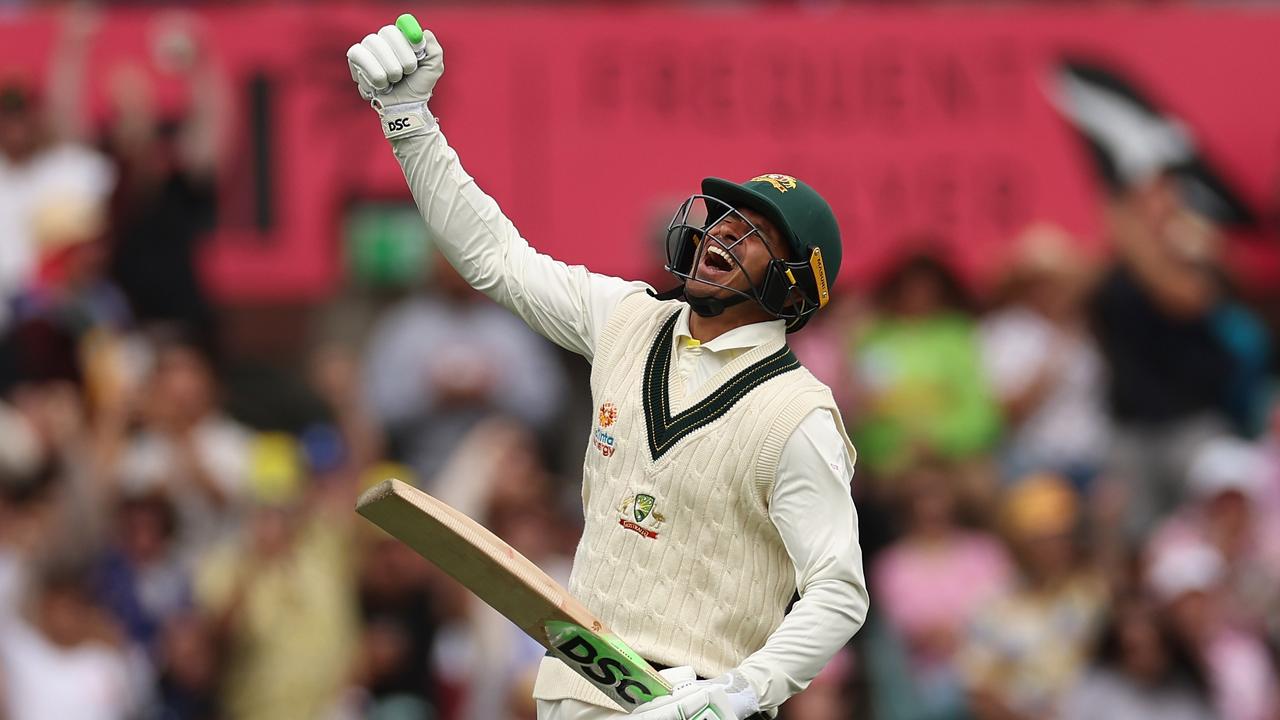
x=600, y=438
x=638, y=515
x=781, y=183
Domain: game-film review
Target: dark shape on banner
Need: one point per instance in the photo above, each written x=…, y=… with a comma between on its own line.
x=1131, y=140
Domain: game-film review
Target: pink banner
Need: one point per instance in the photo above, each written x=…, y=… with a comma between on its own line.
x=589, y=125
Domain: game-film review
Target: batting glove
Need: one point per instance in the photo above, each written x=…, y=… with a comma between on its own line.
x=728, y=697
x=396, y=69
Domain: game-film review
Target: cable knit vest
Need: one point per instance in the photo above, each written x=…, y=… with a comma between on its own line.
x=678, y=556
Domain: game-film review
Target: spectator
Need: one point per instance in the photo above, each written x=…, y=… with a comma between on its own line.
x=28, y=523
x=1043, y=365
x=66, y=659
x=334, y=374
x=186, y=688
x=919, y=372
x=936, y=558
x=821, y=348
x=1027, y=648
x=495, y=469
x=165, y=202
x=1187, y=579
x=68, y=288
x=45, y=161
x=48, y=502
x=71, y=322
x=509, y=659
x=139, y=579
x=437, y=364
x=186, y=447
x=398, y=605
x=37, y=171
x=281, y=594
x=497, y=475
x=20, y=453
x=1142, y=671
x=1226, y=481
x=1169, y=373
x=1268, y=500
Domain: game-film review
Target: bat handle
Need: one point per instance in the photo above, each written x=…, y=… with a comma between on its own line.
x=412, y=30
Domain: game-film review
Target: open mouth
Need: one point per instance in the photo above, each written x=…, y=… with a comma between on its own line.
x=717, y=259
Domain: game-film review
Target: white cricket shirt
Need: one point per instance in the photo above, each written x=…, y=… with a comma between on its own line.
x=811, y=504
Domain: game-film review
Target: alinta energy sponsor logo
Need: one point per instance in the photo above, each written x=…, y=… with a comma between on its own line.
x=639, y=515
x=608, y=414
x=604, y=441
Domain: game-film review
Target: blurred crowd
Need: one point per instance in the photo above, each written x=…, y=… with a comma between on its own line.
x=1068, y=479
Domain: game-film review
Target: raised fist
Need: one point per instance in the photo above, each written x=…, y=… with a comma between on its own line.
x=399, y=64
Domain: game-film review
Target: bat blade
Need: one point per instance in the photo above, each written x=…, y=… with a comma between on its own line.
x=514, y=586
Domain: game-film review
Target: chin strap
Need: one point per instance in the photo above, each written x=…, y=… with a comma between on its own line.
x=675, y=293
x=703, y=306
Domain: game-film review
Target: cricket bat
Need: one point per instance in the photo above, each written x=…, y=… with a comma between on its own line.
x=511, y=584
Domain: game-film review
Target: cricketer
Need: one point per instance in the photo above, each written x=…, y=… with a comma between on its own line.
x=717, y=475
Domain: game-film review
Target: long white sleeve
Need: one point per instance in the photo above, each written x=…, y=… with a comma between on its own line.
x=566, y=304
x=812, y=508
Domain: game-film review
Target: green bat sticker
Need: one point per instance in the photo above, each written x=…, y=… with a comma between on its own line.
x=408, y=25
x=607, y=662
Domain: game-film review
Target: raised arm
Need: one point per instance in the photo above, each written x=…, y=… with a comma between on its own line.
x=397, y=69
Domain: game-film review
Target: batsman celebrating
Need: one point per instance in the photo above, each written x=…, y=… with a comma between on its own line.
x=717, y=472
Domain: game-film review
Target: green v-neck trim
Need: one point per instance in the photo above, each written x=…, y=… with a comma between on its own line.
x=665, y=430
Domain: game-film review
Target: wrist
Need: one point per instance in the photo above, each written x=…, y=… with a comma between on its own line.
x=741, y=694
x=756, y=679
x=404, y=119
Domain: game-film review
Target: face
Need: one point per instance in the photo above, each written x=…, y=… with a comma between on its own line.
x=1157, y=201
x=189, y=653
x=930, y=500
x=933, y=511
x=734, y=254
x=390, y=569
x=18, y=134
x=65, y=616
x=1054, y=296
x=1229, y=519
x=1192, y=614
x=920, y=295
x=1048, y=557
x=1142, y=651
x=272, y=531
x=182, y=388
x=143, y=531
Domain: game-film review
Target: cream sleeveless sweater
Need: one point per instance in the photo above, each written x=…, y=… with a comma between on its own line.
x=678, y=556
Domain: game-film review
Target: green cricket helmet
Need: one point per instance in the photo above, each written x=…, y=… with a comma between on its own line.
x=791, y=289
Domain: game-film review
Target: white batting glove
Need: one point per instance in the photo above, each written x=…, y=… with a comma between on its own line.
x=728, y=697
x=396, y=69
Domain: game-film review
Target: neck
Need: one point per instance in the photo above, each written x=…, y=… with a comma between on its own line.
x=706, y=329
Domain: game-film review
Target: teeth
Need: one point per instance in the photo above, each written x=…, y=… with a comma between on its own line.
x=720, y=253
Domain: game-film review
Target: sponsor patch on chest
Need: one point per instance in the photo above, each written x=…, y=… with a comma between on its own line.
x=639, y=514
x=601, y=438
